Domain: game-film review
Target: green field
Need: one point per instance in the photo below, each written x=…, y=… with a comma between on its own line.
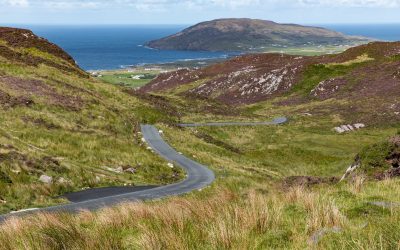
x=127, y=79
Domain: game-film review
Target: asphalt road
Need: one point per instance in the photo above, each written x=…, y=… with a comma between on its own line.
x=198, y=177
x=276, y=121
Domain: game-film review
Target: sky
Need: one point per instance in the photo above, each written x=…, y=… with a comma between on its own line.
x=194, y=11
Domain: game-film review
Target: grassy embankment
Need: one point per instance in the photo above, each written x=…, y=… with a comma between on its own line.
x=248, y=207
x=72, y=128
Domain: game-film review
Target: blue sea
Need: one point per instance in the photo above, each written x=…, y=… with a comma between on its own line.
x=114, y=47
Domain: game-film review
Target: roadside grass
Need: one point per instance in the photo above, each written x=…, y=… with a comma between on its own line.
x=77, y=143
x=225, y=219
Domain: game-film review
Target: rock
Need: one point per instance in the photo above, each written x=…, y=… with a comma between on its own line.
x=359, y=125
x=130, y=170
x=339, y=130
x=161, y=132
x=46, y=179
x=345, y=128
x=170, y=165
x=118, y=170
x=143, y=140
x=350, y=127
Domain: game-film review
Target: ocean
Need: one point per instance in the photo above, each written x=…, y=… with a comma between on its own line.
x=115, y=47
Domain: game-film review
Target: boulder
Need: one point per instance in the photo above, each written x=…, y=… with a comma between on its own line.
x=345, y=128
x=130, y=170
x=359, y=125
x=350, y=127
x=46, y=179
x=339, y=130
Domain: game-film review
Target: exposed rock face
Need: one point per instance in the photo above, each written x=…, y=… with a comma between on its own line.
x=327, y=88
x=249, y=34
x=359, y=92
x=245, y=79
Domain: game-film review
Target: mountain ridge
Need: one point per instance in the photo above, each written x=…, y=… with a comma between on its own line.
x=291, y=80
x=244, y=34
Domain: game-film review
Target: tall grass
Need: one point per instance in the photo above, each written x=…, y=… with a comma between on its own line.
x=225, y=220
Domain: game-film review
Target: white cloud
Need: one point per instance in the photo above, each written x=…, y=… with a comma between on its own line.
x=15, y=3
x=352, y=3
x=160, y=5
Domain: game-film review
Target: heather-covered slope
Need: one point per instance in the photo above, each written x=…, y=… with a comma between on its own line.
x=58, y=122
x=249, y=35
x=360, y=75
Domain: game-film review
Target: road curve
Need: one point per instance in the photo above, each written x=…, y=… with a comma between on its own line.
x=198, y=176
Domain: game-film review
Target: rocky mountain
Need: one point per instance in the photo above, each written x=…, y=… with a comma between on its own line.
x=361, y=76
x=249, y=34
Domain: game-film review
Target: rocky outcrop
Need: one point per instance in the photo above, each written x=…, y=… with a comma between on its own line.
x=349, y=128
x=258, y=77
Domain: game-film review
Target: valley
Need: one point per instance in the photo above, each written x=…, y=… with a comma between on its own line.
x=276, y=187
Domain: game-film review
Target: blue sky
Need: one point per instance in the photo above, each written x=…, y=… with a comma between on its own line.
x=193, y=11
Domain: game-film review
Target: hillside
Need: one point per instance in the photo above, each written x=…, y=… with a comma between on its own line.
x=276, y=187
x=359, y=77
x=58, y=122
x=250, y=35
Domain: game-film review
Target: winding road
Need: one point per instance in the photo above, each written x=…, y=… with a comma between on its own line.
x=198, y=176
